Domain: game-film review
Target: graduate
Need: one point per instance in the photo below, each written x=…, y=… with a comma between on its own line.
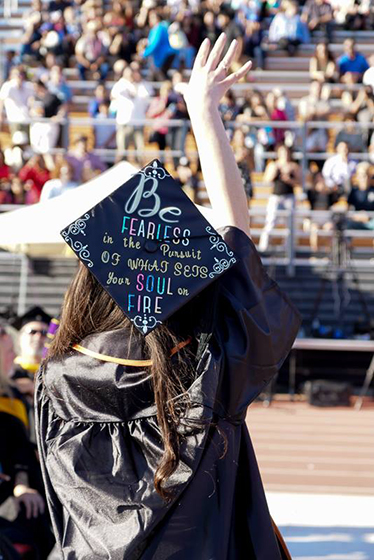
x=169, y=330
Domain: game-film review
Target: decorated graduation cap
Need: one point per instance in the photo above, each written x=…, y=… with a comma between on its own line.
x=149, y=247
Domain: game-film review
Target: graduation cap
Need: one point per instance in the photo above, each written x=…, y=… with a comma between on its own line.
x=149, y=247
x=35, y=313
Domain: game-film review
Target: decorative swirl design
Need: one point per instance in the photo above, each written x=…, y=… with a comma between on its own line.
x=77, y=227
x=146, y=323
x=220, y=266
x=154, y=170
x=217, y=242
x=81, y=251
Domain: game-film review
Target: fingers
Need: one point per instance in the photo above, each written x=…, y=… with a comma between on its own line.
x=202, y=54
x=238, y=75
x=227, y=60
x=216, y=52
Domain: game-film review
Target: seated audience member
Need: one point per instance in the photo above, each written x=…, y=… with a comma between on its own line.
x=131, y=96
x=351, y=135
x=177, y=134
x=368, y=77
x=73, y=29
x=338, y=171
x=316, y=140
x=322, y=66
x=34, y=174
x=18, y=193
x=158, y=47
x=361, y=198
x=287, y=29
x=15, y=95
x=314, y=105
x=320, y=199
x=105, y=130
x=101, y=96
x=285, y=175
x=227, y=23
x=187, y=179
x=5, y=170
x=318, y=15
x=352, y=64
x=79, y=156
x=45, y=105
x=229, y=108
x=277, y=109
x=159, y=111
x=64, y=183
x=31, y=37
x=361, y=106
x=244, y=159
x=91, y=53
x=57, y=86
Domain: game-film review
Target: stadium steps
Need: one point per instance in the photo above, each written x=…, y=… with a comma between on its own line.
x=48, y=280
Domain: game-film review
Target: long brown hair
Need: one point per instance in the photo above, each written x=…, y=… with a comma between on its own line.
x=89, y=309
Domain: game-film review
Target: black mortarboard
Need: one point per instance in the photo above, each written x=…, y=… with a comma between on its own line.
x=35, y=313
x=149, y=247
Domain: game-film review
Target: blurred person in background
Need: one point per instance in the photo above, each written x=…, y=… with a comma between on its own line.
x=104, y=128
x=23, y=521
x=361, y=195
x=15, y=95
x=5, y=170
x=158, y=47
x=285, y=175
x=100, y=96
x=319, y=197
x=337, y=172
x=244, y=159
x=63, y=183
x=318, y=15
x=34, y=174
x=352, y=65
x=277, y=110
x=160, y=113
x=31, y=37
x=80, y=156
x=91, y=53
x=177, y=107
x=187, y=179
x=58, y=86
x=131, y=96
x=287, y=30
x=44, y=135
x=73, y=29
x=322, y=65
x=253, y=109
x=227, y=23
x=314, y=105
x=351, y=135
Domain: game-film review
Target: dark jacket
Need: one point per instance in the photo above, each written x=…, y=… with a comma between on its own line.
x=100, y=443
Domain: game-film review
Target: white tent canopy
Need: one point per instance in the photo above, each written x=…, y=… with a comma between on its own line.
x=35, y=230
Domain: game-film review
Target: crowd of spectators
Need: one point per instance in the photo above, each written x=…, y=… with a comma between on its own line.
x=138, y=53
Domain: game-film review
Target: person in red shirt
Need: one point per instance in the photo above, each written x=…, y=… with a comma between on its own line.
x=5, y=170
x=34, y=174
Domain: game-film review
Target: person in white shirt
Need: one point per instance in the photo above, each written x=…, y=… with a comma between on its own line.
x=131, y=96
x=337, y=172
x=56, y=187
x=15, y=95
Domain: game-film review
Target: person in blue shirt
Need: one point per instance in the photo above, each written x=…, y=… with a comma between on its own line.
x=158, y=47
x=352, y=64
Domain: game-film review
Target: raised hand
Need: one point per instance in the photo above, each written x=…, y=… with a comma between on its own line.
x=209, y=79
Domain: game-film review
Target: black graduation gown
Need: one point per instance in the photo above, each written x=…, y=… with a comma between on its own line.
x=99, y=441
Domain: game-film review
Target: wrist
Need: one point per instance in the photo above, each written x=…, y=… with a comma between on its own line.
x=20, y=489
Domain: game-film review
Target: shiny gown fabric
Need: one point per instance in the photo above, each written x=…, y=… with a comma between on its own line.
x=100, y=444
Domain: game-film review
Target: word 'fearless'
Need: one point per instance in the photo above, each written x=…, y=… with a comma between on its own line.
x=150, y=230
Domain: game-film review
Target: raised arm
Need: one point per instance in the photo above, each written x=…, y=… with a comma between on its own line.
x=208, y=83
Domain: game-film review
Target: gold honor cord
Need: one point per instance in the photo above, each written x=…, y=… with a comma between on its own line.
x=123, y=361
